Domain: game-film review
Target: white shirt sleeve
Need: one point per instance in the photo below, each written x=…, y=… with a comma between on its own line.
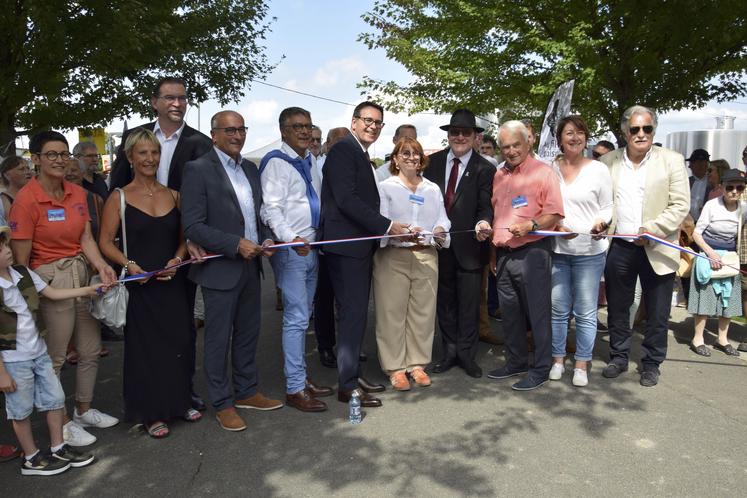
x=38, y=282
x=275, y=181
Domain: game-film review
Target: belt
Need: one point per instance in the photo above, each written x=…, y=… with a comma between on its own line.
x=412, y=248
x=506, y=249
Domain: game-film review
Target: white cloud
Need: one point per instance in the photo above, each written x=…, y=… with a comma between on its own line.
x=329, y=74
x=260, y=112
x=291, y=85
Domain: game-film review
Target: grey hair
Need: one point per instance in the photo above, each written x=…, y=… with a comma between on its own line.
x=81, y=146
x=513, y=126
x=632, y=111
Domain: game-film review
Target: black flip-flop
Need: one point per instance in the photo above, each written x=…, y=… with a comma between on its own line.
x=702, y=350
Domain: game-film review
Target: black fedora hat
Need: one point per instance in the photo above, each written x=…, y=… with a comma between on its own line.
x=463, y=118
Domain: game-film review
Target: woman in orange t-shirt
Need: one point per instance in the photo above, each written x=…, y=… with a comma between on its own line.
x=51, y=233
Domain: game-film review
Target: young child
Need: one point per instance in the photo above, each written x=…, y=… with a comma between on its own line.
x=26, y=374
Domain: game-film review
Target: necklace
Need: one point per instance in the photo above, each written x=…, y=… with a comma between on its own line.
x=149, y=192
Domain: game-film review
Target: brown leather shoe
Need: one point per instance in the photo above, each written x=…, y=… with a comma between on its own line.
x=318, y=391
x=399, y=381
x=304, y=401
x=367, y=400
x=370, y=387
x=259, y=402
x=230, y=420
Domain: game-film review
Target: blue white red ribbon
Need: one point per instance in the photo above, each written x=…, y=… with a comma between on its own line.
x=540, y=233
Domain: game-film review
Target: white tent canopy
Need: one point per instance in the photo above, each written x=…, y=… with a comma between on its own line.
x=256, y=155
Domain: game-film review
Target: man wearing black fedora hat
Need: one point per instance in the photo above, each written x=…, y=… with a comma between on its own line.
x=466, y=180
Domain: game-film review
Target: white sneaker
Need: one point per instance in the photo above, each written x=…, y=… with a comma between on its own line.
x=75, y=435
x=556, y=371
x=580, y=378
x=94, y=418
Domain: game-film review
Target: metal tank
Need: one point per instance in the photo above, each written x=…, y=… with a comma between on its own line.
x=721, y=143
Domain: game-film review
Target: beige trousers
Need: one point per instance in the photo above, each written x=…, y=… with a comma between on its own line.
x=71, y=318
x=405, y=284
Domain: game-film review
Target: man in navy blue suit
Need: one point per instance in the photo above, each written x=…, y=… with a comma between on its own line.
x=350, y=208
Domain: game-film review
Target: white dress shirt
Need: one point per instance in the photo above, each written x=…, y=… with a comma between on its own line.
x=243, y=190
x=285, y=206
x=423, y=208
x=168, y=146
x=586, y=199
x=382, y=172
x=29, y=344
x=631, y=186
x=462, y=166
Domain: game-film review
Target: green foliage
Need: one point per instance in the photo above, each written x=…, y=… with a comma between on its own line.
x=510, y=56
x=65, y=64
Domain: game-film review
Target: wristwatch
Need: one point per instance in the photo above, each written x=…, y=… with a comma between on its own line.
x=535, y=226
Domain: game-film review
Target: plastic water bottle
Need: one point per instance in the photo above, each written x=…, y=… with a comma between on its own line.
x=355, y=416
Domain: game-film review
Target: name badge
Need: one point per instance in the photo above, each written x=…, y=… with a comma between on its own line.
x=519, y=201
x=56, y=214
x=417, y=199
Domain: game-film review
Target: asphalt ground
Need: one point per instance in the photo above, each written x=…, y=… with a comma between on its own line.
x=459, y=437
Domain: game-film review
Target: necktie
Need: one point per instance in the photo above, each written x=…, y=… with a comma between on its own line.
x=451, y=186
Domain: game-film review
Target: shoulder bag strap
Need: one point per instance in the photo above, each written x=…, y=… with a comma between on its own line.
x=122, y=221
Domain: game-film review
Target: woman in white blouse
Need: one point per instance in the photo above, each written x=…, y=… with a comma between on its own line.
x=578, y=261
x=405, y=275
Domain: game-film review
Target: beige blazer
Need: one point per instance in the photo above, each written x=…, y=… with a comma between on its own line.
x=666, y=202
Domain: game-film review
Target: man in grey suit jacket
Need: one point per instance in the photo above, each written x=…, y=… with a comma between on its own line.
x=221, y=199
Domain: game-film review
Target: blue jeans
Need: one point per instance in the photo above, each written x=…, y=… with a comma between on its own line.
x=575, y=288
x=296, y=276
x=36, y=385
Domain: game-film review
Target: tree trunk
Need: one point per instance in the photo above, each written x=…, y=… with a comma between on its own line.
x=7, y=134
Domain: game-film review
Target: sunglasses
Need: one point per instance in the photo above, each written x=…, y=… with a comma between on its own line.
x=648, y=129
x=465, y=132
x=731, y=188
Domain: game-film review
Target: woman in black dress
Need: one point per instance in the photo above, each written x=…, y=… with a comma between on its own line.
x=157, y=333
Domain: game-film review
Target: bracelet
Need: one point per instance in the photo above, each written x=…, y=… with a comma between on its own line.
x=127, y=265
x=179, y=258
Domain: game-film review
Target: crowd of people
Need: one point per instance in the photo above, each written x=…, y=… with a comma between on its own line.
x=483, y=227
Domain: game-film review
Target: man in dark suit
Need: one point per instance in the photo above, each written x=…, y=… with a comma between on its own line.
x=350, y=208
x=465, y=179
x=221, y=199
x=179, y=144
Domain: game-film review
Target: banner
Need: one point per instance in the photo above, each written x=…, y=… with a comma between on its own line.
x=558, y=108
x=95, y=135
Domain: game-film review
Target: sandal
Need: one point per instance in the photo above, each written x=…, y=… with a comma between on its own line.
x=702, y=350
x=8, y=452
x=158, y=430
x=727, y=349
x=192, y=415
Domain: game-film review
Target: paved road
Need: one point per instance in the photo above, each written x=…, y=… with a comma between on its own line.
x=460, y=437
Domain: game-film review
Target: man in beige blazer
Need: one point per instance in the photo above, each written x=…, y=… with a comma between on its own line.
x=651, y=194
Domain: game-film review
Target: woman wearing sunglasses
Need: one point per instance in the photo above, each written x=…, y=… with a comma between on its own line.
x=717, y=234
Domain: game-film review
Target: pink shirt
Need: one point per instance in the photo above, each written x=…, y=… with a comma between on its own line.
x=529, y=191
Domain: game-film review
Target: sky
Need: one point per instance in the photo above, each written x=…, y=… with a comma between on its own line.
x=318, y=39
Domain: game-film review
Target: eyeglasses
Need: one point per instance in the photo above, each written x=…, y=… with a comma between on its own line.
x=173, y=98
x=231, y=130
x=731, y=188
x=300, y=127
x=371, y=122
x=89, y=156
x=52, y=155
x=407, y=155
x=316, y=139
x=648, y=129
x=465, y=132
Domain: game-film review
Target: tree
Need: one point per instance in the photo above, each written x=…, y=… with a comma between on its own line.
x=488, y=55
x=66, y=64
